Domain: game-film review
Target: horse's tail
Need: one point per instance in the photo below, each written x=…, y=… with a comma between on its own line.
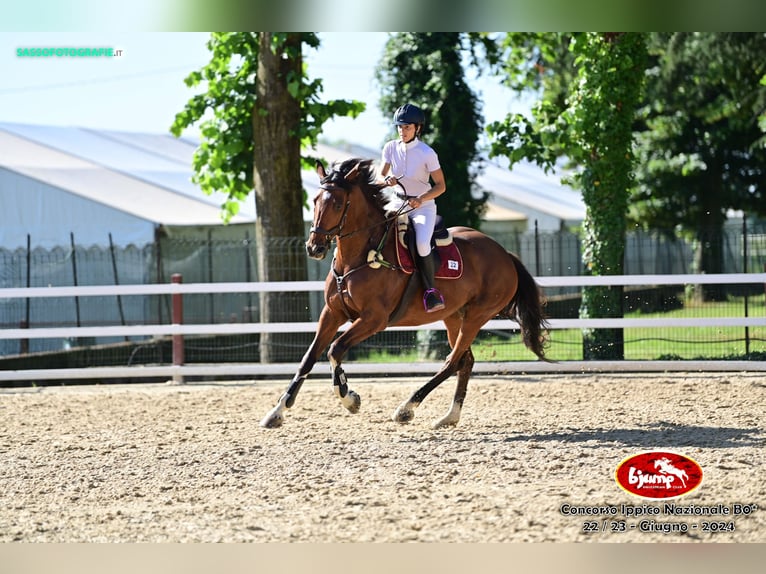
x=526, y=308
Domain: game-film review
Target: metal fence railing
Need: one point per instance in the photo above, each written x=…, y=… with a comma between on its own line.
x=212, y=261
x=498, y=346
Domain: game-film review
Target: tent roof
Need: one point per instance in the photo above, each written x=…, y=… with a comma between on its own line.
x=528, y=187
x=145, y=175
x=149, y=175
x=524, y=189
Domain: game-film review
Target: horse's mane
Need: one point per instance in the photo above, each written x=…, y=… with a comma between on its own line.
x=380, y=195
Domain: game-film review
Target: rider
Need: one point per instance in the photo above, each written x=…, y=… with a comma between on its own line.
x=415, y=164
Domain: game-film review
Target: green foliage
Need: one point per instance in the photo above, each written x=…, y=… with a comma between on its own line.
x=700, y=146
x=223, y=109
x=426, y=69
x=223, y=160
x=600, y=120
x=601, y=114
x=586, y=113
x=762, y=119
x=541, y=63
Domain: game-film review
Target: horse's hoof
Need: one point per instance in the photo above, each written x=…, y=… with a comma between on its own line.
x=352, y=401
x=444, y=423
x=272, y=420
x=403, y=414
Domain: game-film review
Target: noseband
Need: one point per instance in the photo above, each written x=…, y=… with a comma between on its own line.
x=333, y=231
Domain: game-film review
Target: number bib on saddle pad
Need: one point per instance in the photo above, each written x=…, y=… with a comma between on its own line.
x=451, y=262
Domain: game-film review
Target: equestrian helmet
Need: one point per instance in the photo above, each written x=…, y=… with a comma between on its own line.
x=409, y=114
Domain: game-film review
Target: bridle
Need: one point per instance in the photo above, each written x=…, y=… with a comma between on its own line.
x=337, y=230
x=374, y=256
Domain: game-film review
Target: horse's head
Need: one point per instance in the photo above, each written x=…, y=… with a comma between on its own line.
x=331, y=205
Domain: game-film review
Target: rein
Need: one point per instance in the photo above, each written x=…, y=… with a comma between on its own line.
x=374, y=257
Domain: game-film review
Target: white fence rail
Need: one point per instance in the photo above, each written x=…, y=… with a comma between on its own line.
x=178, y=371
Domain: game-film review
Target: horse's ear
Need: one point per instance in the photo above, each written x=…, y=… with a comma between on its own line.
x=320, y=170
x=353, y=172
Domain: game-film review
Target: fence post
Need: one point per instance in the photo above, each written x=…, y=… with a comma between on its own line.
x=116, y=281
x=29, y=279
x=177, y=318
x=74, y=277
x=744, y=270
x=537, y=250
x=23, y=343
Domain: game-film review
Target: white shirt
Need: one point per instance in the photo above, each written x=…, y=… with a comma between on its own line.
x=412, y=163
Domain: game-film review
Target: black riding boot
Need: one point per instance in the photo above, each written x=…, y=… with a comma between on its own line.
x=432, y=298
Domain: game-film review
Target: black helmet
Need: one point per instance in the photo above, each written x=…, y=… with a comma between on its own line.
x=409, y=114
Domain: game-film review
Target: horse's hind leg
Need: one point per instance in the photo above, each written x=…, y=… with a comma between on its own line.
x=460, y=360
x=465, y=368
x=406, y=411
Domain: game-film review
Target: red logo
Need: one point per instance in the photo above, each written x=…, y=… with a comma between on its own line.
x=658, y=475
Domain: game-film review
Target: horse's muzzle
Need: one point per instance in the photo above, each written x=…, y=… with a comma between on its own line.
x=316, y=250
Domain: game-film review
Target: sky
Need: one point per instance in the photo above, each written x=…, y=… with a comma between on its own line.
x=142, y=89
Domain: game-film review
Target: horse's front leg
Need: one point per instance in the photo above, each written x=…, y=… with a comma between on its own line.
x=360, y=330
x=328, y=325
x=348, y=398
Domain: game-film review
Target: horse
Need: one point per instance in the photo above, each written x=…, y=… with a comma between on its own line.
x=666, y=467
x=366, y=287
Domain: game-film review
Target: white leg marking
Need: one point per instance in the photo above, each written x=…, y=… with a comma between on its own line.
x=275, y=418
x=450, y=419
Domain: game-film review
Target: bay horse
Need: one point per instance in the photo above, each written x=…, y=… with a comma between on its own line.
x=353, y=210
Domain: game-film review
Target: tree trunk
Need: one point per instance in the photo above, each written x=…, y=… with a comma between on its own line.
x=279, y=194
x=603, y=344
x=709, y=252
x=708, y=258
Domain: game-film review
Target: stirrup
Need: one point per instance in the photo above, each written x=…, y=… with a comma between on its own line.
x=433, y=300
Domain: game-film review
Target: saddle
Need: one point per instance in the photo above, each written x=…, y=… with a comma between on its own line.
x=449, y=260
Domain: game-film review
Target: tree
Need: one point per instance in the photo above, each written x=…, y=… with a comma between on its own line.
x=594, y=132
x=426, y=69
x=611, y=75
x=542, y=63
x=701, y=149
x=257, y=111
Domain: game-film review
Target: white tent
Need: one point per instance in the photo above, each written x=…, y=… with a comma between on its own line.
x=56, y=180
x=59, y=180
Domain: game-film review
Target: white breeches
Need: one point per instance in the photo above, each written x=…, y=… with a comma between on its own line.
x=423, y=220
